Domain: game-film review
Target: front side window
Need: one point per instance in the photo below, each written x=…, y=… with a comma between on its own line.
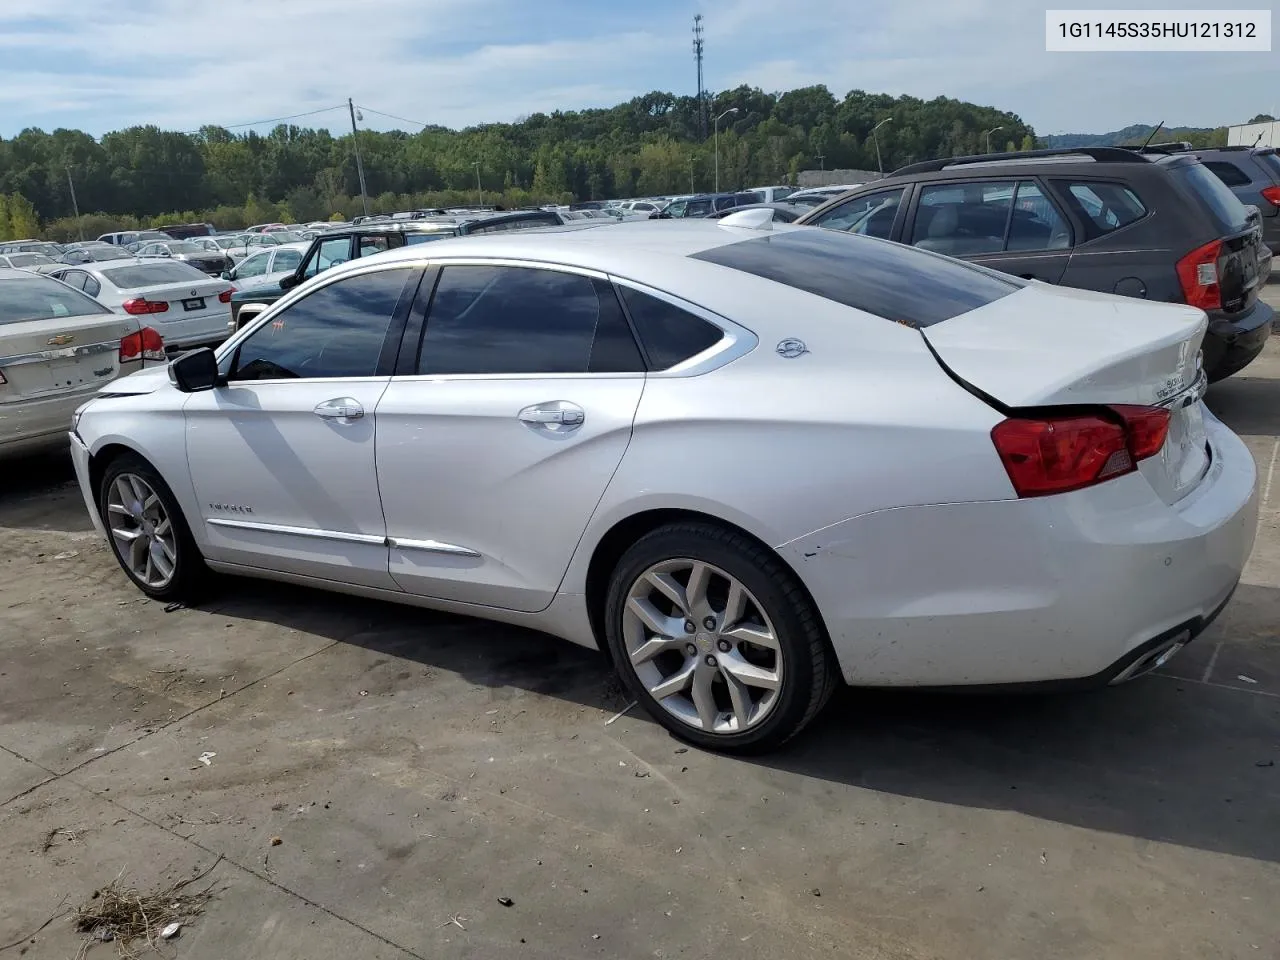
x=962, y=219
x=514, y=320
x=697, y=208
x=254, y=266
x=329, y=254
x=871, y=215
x=286, y=260
x=337, y=331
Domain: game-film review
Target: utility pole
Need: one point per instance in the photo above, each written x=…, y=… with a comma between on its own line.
x=479, y=189
x=74, y=205
x=697, y=56
x=879, y=162
x=822, y=163
x=355, y=140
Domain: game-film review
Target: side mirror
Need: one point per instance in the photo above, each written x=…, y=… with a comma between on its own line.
x=195, y=370
x=165, y=253
x=289, y=282
x=228, y=275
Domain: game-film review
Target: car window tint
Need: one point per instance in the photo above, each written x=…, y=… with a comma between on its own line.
x=1227, y=172
x=374, y=244
x=896, y=282
x=158, y=271
x=1270, y=162
x=286, y=260
x=1036, y=223
x=524, y=320
x=91, y=286
x=962, y=219
x=871, y=215
x=39, y=298
x=336, y=331
x=75, y=278
x=1105, y=206
x=1225, y=210
x=670, y=335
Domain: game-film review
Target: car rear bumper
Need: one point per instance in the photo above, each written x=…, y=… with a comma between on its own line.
x=80, y=460
x=1231, y=344
x=38, y=424
x=1073, y=588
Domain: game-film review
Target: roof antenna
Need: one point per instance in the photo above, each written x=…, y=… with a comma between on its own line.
x=1147, y=143
x=1259, y=140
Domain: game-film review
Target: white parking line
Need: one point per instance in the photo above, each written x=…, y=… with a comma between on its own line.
x=1271, y=475
x=1220, y=686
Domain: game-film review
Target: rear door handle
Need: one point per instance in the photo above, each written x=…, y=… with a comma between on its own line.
x=555, y=413
x=340, y=408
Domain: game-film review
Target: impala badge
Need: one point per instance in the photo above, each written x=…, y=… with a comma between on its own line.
x=61, y=340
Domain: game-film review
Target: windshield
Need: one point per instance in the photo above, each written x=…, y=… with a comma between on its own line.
x=146, y=274
x=38, y=298
x=28, y=259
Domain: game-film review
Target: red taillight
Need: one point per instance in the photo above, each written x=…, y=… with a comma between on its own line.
x=225, y=295
x=1058, y=454
x=1271, y=195
x=145, y=344
x=139, y=306
x=1198, y=274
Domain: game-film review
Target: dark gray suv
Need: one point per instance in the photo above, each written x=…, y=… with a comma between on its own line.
x=1253, y=175
x=1159, y=227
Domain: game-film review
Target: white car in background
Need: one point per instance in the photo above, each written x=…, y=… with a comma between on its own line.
x=57, y=347
x=25, y=261
x=188, y=307
x=772, y=194
x=749, y=460
x=267, y=265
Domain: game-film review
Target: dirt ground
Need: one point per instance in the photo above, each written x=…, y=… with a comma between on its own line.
x=418, y=767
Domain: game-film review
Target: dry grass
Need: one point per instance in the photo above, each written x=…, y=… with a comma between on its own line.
x=125, y=915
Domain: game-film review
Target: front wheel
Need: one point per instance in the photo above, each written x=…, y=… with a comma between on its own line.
x=147, y=531
x=717, y=638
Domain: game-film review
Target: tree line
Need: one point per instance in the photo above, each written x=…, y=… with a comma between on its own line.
x=652, y=144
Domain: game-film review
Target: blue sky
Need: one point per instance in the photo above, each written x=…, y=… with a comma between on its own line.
x=99, y=66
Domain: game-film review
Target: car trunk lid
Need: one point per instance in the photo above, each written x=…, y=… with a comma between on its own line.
x=48, y=358
x=1050, y=346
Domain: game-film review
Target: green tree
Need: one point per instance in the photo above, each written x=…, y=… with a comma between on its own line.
x=21, y=216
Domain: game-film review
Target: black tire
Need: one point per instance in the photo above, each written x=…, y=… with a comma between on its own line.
x=190, y=577
x=810, y=673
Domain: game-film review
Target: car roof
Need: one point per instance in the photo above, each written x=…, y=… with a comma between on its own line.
x=301, y=245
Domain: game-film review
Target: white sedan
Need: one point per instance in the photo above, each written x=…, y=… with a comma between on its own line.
x=186, y=305
x=748, y=460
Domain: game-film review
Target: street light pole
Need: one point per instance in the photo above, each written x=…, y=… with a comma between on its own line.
x=879, y=162
x=988, y=136
x=822, y=163
x=717, y=139
x=691, y=190
x=479, y=189
x=74, y=205
x=355, y=140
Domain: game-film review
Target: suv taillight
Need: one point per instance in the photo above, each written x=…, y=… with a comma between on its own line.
x=145, y=344
x=1271, y=195
x=1198, y=274
x=1047, y=455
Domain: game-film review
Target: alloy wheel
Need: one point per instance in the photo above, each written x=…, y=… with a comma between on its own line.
x=702, y=645
x=142, y=530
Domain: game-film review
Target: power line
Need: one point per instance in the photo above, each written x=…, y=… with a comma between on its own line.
x=259, y=123
x=392, y=116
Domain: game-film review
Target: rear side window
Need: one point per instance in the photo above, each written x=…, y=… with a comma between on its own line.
x=888, y=280
x=144, y=275
x=670, y=335
x=524, y=320
x=36, y=298
x=1225, y=211
x=1227, y=172
x=1104, y=207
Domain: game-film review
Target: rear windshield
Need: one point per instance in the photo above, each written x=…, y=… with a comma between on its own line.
x=28, y=259
x=146, y=274
x=39, y=298
x=1227, y=213
x=1271, y=163
x=886, y=279
x=106, y=253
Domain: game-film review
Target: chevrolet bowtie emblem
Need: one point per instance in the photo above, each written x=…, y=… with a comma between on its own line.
x=61, y=340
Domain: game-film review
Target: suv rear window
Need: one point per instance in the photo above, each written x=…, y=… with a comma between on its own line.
x=1225, y=211
x=39, y=298
x=886, y=279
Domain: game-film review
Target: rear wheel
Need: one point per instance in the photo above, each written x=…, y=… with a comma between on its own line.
x=717, y=638
x=148, y=532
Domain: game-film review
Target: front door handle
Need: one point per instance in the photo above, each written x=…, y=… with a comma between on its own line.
x=553, y=415
x=340, y=408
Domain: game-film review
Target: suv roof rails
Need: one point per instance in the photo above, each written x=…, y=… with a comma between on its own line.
x=1098, y=154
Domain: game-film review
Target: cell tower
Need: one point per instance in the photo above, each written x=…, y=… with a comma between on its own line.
x=702, y=93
